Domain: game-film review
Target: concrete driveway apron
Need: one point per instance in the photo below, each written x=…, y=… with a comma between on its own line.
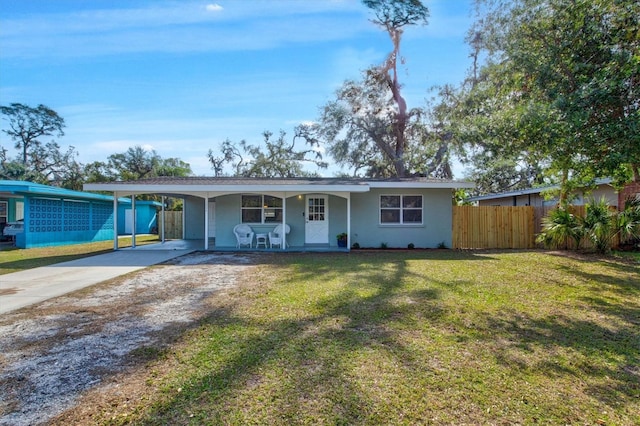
x=32, y=286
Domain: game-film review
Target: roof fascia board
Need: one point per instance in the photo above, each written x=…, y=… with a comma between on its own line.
x=199, y=189
x=422, y=185
x=44, y=191
x=512, y=194
x=598, y=182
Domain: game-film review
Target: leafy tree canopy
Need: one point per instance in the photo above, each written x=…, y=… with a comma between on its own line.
x=275, y=158
x=556, y=93
x=37, y=161
x=133, y=164
x=369, y=127
x=138, y=163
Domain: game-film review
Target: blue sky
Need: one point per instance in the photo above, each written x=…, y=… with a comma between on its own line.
x=182, y=76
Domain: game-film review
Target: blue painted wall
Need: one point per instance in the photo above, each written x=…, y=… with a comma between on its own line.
x=52, y=222
x=146, y=217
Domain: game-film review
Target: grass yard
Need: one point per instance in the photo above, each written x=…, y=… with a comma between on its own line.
x=14, y=259
x=422, y=337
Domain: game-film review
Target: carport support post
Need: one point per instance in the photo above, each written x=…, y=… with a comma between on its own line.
x=163, y=220
x=284, y=222
x=206, y=223
x=349, y=221
x=133, y=221
x=115, y=221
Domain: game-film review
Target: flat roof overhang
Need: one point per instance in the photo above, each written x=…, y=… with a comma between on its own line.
x=181, y=188
x=209, y=191
x=260, y=186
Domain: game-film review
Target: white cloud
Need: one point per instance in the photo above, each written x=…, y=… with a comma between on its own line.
x=214, y=7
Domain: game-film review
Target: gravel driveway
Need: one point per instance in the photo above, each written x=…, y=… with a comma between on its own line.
x=53, y=352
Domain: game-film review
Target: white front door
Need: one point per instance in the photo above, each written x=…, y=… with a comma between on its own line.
x=212, y=219
x=316, y=229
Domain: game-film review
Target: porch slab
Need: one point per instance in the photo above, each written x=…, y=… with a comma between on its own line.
x=199, y=246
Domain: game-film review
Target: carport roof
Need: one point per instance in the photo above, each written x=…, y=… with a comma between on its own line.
x=22, y=188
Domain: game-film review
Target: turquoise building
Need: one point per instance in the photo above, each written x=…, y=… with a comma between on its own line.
x=54, y=216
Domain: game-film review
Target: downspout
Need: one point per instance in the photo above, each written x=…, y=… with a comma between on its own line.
x=133, y=221
x=115, y=221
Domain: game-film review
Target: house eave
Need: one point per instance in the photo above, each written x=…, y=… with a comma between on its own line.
x=293, y=185
x=529, y=191
x=422, y=185
x=182, y=189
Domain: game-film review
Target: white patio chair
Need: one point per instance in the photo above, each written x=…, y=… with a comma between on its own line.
x=244, y=235
x=275, y=236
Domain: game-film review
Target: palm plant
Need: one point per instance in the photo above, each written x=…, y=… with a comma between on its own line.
x=600, y=224
x=629, y=220
x=560, y=226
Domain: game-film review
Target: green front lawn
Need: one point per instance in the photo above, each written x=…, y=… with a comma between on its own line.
x=435, y=337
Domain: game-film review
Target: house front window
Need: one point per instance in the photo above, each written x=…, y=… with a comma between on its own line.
x=261, y=209
x=401, y=209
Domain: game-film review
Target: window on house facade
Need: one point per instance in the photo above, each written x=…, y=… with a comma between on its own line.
x=401, y=209
x=261, y=209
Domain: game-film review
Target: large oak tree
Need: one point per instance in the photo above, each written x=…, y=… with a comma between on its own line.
x=368, y=127
x=557, y=92
x=38, y=160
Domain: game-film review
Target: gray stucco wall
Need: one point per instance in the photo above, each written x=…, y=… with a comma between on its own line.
x=295, y=219
x=367, y=231
x=194, y=214
x=228, y=215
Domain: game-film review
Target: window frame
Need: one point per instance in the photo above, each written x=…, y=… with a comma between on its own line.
x=400, y=209
x=265, y=209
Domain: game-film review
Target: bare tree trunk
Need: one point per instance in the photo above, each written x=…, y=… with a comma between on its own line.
x=564, y=196
x=401, y=116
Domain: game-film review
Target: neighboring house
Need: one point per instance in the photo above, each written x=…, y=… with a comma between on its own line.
x=390, y=212
x=535, y=197
x=54, y=216
x=631, y=190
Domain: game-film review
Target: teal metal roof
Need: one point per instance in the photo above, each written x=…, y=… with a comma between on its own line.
x=23, y=188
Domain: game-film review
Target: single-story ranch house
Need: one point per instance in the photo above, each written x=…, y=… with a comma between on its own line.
x=50, y=216
x=371, y=212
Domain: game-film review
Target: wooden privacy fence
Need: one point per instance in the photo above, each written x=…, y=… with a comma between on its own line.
x=493, y=227
x=173, y=225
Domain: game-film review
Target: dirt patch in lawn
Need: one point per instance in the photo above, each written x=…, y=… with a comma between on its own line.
x=85, y=343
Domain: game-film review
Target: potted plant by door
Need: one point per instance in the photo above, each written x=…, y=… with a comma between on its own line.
x=342, y=239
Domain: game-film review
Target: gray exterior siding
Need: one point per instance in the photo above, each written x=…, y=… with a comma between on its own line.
x=337, y=218
x=367, y=230
x=194, y=214
x=535, y=198
x=228, y=215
